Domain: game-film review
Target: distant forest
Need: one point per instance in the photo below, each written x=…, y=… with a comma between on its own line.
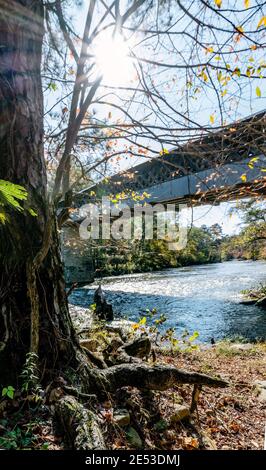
x=205, y=245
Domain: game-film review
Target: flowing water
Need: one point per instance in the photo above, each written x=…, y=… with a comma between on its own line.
x=205, y=298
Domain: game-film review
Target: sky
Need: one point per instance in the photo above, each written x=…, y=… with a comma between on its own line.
x=203, y=215
x=210, y=215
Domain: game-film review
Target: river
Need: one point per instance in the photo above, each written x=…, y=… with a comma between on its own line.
x=201, y=298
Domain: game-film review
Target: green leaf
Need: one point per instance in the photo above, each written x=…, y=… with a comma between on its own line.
x=52, y=86
x=10, y=392
x=194, y=336
x=32, y=212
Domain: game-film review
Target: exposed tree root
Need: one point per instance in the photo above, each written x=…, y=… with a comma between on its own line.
x=79, y=425
x=158, y=377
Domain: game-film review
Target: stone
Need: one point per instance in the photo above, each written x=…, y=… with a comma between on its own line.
x=242, y=346
x=180, y=412
x=134, y=438
x=260, y=385
x=121, y=417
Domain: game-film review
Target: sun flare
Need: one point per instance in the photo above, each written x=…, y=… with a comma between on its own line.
x=112, y=59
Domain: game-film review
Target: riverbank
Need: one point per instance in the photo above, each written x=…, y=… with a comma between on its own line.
x=256, y=296
x=231, y=418
x=224, y=418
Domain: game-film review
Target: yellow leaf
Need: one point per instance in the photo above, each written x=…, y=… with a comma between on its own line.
x=243, y=178
x=262, y=22
x=258, y=91
x=164, y=152
x=247, y=3
x=218, y=3
x=240, y=29
x=224, y=92
x=204, y=76
x=212, y=118
x=209, y=49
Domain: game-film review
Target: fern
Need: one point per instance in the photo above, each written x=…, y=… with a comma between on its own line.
x=11, y=196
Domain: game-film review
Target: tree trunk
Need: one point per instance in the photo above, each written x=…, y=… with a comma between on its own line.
x=33, y=304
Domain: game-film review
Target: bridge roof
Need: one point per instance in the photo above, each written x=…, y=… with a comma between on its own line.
x=229, y=144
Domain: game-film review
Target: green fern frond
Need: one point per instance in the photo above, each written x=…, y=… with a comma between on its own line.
x=11, y=195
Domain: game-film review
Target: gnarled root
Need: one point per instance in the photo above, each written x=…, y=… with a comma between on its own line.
x=79, y=425
x=158, y=377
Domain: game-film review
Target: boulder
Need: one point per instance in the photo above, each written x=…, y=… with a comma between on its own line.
x=179, y=413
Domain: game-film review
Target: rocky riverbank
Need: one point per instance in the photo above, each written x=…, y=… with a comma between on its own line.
x=230, y=418
x=255, y=297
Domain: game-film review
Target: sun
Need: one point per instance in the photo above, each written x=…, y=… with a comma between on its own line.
x=112, y=58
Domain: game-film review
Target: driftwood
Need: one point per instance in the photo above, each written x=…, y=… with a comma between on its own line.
x=103, y=311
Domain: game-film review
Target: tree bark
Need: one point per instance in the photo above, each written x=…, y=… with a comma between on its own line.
x=33, y=304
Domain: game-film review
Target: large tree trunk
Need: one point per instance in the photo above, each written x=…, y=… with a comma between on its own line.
x=33, y=304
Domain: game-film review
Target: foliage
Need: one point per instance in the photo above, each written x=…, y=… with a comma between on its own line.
x=11, y=197
x=8, y=391
x=250, y=243
x=16, y=438
x=30, y=377
x=121, y=257
x=168, y=337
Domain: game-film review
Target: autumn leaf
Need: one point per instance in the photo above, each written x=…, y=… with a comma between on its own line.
x=212, y=118
x=258, y=92
x=262, y=22
x=164, y=152
x=218, y=3
x=190, y=443
x=243, y=178
x=209, y=49
x=240, y=29
x=247, y=3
